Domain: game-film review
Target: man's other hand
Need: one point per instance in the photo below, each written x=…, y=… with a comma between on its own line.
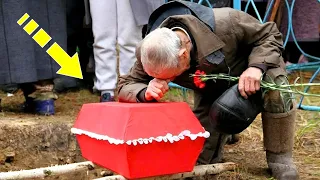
x=249, y=81
x=156, y=89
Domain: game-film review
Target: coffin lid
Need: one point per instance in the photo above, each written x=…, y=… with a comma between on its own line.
x=138, y=123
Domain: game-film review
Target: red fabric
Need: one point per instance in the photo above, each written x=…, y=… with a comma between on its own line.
x=128, y=121
x=142, y=161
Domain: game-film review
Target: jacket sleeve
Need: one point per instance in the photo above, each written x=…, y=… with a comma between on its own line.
x=134, y=82
x=265, y=39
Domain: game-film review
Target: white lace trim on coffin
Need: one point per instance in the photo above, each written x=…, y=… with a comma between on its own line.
x=167, y=138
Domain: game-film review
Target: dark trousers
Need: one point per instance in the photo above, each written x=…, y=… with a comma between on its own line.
x=78, y=38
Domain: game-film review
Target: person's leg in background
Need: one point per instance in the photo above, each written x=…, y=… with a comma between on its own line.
x=39, y=97
x=75, y=14
x=129, y=35
x=104, y=27
x=29, y=67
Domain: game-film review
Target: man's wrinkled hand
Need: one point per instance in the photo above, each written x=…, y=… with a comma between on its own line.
x=249, y=82
x=156, y=89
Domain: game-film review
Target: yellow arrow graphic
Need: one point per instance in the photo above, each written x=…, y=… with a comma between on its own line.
x=70, y=66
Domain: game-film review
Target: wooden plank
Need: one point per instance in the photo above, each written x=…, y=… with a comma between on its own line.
x=47, y=171
x=201, y=170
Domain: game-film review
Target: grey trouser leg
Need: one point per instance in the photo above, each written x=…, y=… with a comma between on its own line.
x=112, y=22
x=212, y=151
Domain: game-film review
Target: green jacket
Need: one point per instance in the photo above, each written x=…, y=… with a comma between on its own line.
x=242, y=39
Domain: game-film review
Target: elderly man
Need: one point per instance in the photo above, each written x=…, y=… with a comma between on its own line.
x=183, y=37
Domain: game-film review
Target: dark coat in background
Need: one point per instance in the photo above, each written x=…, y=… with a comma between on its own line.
x=22, y=59
x=305, y=20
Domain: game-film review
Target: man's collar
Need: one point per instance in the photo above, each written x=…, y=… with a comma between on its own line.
x=185, y=32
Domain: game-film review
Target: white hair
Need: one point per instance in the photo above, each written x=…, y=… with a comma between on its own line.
x=160, y=50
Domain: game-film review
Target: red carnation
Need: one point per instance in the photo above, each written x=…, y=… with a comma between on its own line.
x=197, y=79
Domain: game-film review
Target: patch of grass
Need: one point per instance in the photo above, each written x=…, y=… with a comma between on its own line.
x=178, y=95
x=310, y=127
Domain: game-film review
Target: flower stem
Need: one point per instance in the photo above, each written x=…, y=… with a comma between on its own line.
x=263, y=84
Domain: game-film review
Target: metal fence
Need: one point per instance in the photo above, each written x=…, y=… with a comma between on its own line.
x=290, y=32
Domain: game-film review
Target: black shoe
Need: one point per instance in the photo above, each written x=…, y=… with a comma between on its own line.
x=63, y=84
x=233, y=139
x=106, y=97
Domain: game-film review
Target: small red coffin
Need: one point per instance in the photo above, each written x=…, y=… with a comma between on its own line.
x=138, y=140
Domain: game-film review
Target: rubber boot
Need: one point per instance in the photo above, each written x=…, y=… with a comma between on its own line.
x=39, y=98
x=278, y=131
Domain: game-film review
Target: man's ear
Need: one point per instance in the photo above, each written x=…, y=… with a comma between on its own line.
x=183, y=53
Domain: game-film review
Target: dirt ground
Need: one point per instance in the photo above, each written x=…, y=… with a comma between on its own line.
x=30, y=141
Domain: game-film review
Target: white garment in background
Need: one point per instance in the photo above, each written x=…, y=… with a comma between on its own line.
x=112, y=21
